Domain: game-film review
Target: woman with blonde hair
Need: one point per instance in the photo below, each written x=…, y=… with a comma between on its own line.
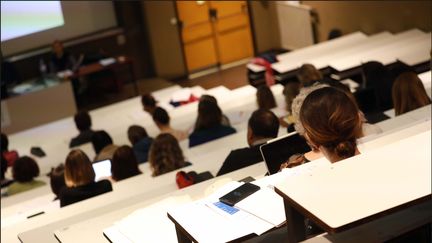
x=80, y=180
x=166, y=155
x=408, y=93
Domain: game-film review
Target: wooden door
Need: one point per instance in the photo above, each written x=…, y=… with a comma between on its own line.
x=214, y=32
x=197, y=34
x=232, y=30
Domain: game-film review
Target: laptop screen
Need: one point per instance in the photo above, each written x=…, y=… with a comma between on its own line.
x=279, y=150
x=102, y=169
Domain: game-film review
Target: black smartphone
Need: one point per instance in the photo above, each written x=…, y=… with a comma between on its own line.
x=239, y=194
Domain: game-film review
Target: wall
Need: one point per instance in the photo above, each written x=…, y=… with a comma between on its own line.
x=371, y=16
x=265, y=26
x=136, y=46
x=164, y=39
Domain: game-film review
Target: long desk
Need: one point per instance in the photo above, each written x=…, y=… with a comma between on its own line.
x=360, y=189
x=93, y=225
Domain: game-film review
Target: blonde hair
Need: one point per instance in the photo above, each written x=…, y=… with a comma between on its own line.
x=78, y=169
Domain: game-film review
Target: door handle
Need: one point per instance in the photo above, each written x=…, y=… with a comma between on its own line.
x=213, y=14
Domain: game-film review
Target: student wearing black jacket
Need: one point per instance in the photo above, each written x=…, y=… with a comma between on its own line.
x=263, y=125
x=79, y=178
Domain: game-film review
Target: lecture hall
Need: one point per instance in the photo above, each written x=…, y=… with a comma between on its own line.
x=216, y=121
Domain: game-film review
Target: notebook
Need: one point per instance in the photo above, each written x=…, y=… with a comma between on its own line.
x=279, y=150
x=102, y=169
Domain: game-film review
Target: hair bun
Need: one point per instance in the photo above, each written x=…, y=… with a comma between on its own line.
x=345, y=149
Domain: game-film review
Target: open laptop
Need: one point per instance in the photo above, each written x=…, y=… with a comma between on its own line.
x=102, y=169
x=278, y=150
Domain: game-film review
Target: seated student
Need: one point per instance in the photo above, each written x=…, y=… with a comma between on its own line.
x=290, y=91
x=149, y=103
x=83, y=124
x=308, y=75
x=9, y=156
x=209, y=124
x=225, y=120
x=57, y=181
x=331, y=123
x=263, y=125
x=408, y=93
x=124, y=164
x=378, y=78
x=79, y=176
x=24, y=170
x=140, y=141
x=162, y=120
x=103, y=146
x=265, y=98
x=166, y=155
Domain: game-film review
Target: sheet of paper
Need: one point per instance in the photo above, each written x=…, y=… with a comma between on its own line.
x=151, y=224
x=265, y=204
x=181, y=95
x=114, y=235
x=107, y=61
x=205, y=225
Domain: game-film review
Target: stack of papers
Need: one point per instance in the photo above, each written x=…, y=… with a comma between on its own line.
x=149, y=224
x=209, y=220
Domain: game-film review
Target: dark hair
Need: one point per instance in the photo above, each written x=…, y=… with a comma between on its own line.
x=25, y=169
x=264, y=123
x=290, y=91
x=265, y=98
x=378, y=77
x=82, y=121
x=4, y=142
x=161, y=116
x=148, y=100
x=124, y=163
x=78, y=169
x=100, y=140
x=136, y=133
x=408, y=93
x=308, y=75
x=331, y=119
x=57, y=180
x=4, y=166
x=165, y=154
x=209, y=115
x=208, y=98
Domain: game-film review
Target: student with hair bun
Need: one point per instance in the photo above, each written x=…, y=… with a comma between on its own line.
x=331, y=123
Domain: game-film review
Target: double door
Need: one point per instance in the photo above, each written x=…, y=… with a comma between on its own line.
x=214, y=32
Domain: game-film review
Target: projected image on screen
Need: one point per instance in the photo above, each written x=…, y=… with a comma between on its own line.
x=26, y=17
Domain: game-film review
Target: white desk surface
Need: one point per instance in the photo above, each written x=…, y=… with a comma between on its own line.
x=90, y=228
x=422, y=113
x=370, y=183
x=426, y=79
x=288, y=64
x=322, y=47
x=384, y=50
x=373, y=42
x=378, y=140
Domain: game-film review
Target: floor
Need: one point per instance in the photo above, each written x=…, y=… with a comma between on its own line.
x=231, y=78
x=99, y=96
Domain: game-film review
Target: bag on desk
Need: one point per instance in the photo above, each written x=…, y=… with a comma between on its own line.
x=184, y=179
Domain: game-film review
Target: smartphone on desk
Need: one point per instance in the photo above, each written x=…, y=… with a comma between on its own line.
x=239, y=194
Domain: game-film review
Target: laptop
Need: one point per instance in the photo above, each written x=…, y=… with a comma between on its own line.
x=102, y=169
x=279, y=150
